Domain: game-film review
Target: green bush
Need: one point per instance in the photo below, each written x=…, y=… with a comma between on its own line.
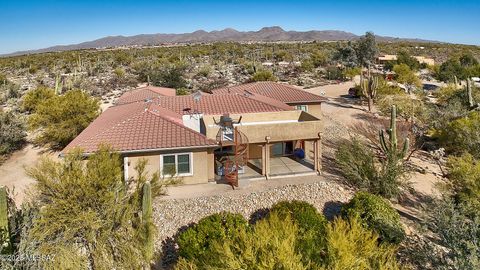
x=407, y=107
x=197, y=242
x=33, y=98
x=311, y=227
x=376, y=214
x=12, y=132
x=352, y=246
x=270, y=245
x=462, y=135
x=361, y=169
x=356, y=163
x=263, y=75
x=60, y=119
x=464, y=180
x=273, y=243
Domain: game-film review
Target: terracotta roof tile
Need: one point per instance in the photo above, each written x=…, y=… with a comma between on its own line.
x=137, y=127
x=220, y=104
x=157, y=123
x=144, y=93
x=282, y=92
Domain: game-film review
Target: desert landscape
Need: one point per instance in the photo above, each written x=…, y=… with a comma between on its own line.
x=163, y=135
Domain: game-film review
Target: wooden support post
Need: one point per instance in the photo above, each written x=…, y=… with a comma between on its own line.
x=267, y=157
x=264, y=159
x=317, y=153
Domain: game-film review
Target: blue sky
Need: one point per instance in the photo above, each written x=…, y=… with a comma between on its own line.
x=37, y=24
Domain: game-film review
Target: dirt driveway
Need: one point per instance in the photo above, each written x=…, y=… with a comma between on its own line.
x=12, y=171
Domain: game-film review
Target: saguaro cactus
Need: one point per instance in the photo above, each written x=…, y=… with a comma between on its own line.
x=149, y=228
x=58, y=89
x=147, y=201
x=390, y=148
x=369, y=87
x=5, y=243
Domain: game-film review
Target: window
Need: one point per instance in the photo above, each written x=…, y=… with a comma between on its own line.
x=282, y=149
x=176, y=164
x=301, y=108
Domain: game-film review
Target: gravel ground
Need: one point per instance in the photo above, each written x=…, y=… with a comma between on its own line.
x=173, y=214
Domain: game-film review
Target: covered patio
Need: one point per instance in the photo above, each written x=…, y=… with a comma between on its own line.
x=279, y=167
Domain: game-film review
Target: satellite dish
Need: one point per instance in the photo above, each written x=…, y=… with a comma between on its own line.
x=197, y=96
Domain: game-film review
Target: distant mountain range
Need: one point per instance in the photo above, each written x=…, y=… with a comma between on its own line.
x=266, y=34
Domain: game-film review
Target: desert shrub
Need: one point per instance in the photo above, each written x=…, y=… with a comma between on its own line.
x=352, y=246
x=444, y=94
x=450, y=69
x=311, y=228
x=464, y=179
x=406, y=76
x=197, y=242
x=204, y=71
x=387, y=90
x=351, y=72
x=376, y=214
x=9, y=90
x=104, y=225
x=356, y=163
x=12, y=132
x=33, y=98
x=61, y=118
x=404, y=57
x=452, y=93
x=263, y=75
x=457, y=231
x=407, y=107
x=461, y=135
x=182, y=92
x=169, y=76
x=270, y=245
x=405, y=129
x=333, y=73
x=362, y=169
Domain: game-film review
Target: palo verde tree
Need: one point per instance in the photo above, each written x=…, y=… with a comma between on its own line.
x=60, y=119
x=89, y=216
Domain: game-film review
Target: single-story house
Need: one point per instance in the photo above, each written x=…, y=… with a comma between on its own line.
x=256, y=130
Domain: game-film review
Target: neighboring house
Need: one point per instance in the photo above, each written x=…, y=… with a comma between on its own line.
x=230, y=134
x=382, y=59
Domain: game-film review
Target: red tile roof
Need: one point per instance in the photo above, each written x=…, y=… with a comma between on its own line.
x=282, y=92
x=138, y=127
x=144, y=93
x=221, y=104
x=155, y=122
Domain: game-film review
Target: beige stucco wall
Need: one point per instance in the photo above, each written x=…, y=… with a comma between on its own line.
x=202, y=163
x=315, y=110
x=282, y=132
x=309, y=151
x=255, y=151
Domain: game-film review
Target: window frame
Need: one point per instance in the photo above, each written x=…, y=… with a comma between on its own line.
x=297, y=107
x=190, y=160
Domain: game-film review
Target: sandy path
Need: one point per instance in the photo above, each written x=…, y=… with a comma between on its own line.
x=12, y=172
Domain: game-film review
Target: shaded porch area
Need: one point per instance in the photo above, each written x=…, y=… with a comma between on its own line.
x=279, y=166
